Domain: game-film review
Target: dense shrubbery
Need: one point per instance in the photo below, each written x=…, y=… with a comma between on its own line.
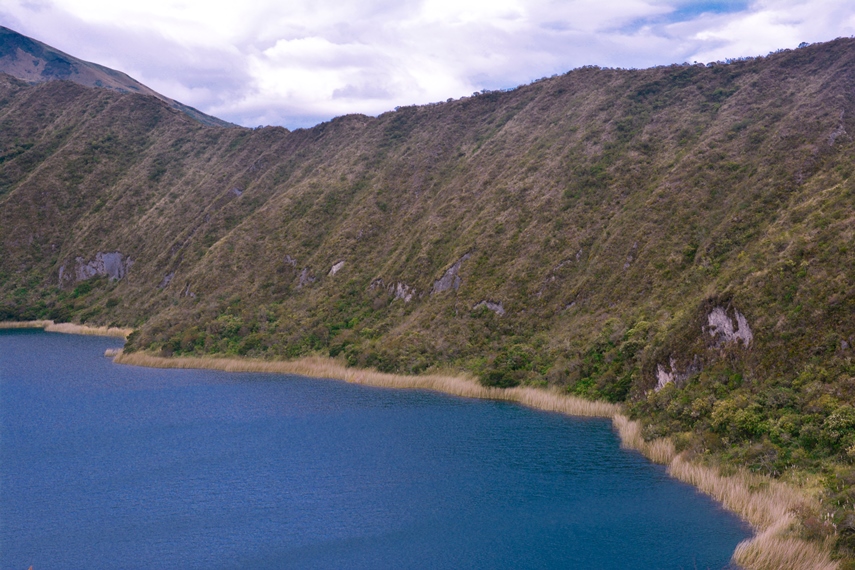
x=602, y=211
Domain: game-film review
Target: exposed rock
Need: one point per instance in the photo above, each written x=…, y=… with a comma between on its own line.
x=113, y=265
x=336, y=268
x=167, y=278
x=399, y=290
x=495, y=307
x=290, y=261
x=305, y=278
x=631, y=257
x=664, y=377
x=450, y=280
x=404, y=292
x=721, y=327
x=236, y=192
x=188, y=293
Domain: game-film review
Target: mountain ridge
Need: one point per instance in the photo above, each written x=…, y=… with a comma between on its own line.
x=677, y=239
x=33, y=61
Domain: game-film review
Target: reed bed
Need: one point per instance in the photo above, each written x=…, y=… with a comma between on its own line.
x=71, y=328
x=549, y=400
x=658, y=450
x=768, y=505
x=67, y=328
x=761, y=501
x=24, y=324
x=773, y=549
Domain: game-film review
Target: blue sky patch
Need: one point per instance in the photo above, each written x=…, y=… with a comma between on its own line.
x=690, y=10
x=687, y=10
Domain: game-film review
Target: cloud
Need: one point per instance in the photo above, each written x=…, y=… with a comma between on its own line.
x=774, y=25
x=304, y=61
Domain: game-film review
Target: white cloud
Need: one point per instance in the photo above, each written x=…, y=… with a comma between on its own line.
x=774, y=25
x=303, y=61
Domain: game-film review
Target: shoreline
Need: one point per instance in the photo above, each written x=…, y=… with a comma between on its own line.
x=768, y=505
x=67, y=328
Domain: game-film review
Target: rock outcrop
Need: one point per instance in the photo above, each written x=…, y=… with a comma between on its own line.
x=404, y=292
x=495, y=307
x=336, y=268
x=721, y=328
x=673, y=374
x=114, y=265
x=450, y=279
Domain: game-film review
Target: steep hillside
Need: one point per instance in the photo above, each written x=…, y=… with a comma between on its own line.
x=35, y=62
x=679, y=238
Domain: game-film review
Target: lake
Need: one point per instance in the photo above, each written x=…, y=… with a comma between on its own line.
x=110, y=466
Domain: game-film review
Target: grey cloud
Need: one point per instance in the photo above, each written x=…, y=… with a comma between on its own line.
x=361, y=92
x=376, y=55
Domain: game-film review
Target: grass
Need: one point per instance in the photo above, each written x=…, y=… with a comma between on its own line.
x=5, y=325
x=608, y=211
x=68, y=328
x=316, y=367
x=769, y=506
x=773, y=549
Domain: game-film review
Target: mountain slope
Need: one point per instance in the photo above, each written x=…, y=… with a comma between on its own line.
x=678, y=238
x=35, y=62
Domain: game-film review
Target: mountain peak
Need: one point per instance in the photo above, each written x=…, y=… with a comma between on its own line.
x=34, y=62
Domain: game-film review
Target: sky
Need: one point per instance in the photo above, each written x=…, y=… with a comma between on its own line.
x=296, y=63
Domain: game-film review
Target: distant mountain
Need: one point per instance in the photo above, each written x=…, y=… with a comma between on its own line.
x=35, y=62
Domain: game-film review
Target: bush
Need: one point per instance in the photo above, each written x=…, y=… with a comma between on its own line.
x=499, y=379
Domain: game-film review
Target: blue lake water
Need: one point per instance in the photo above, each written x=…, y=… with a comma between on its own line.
x=109, y=466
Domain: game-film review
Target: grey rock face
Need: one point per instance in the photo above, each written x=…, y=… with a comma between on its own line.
x=721, y=327
x=113, y=265
x=450, y=279
x=336, y=268
x=166, y=280
x=673, y=375
x=306, y=278
x=495, y=307
x=399, y=290
x=404, y=292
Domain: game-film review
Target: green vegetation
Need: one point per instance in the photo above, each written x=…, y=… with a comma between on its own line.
x=603, y=215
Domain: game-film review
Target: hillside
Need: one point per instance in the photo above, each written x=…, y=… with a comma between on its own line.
x=677, y=238
x=35, y=62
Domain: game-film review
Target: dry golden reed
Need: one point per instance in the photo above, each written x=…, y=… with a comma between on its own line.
x=24, y=324
x=549, y=400
x=68, y=328
x=658, y=450
x=768, y=505
x=775, y=549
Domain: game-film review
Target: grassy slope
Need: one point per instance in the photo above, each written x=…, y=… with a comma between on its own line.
x=608, y=211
